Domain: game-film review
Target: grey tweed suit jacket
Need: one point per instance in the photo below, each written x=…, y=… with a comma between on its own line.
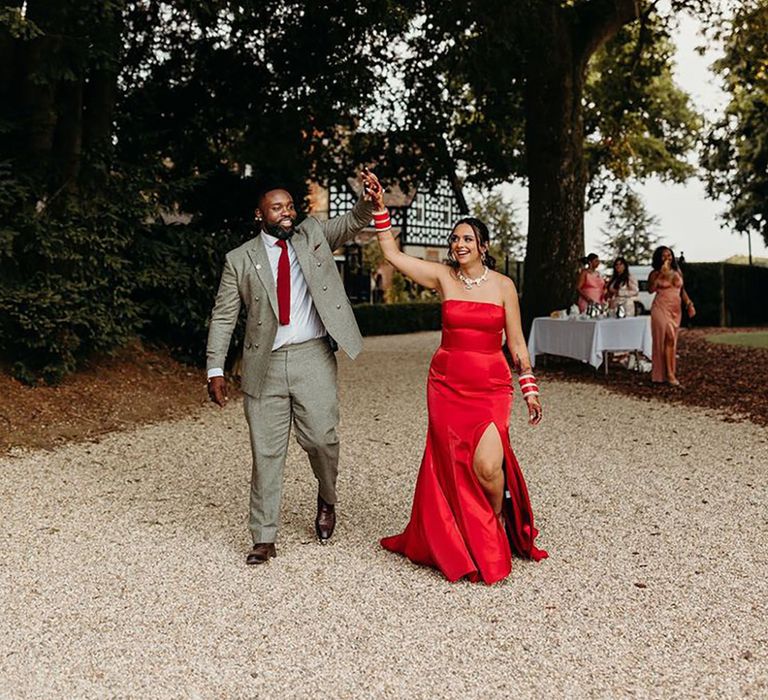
x=247, y=279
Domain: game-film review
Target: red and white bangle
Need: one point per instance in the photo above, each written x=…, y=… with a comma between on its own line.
x=382, y=221
x=528, y=385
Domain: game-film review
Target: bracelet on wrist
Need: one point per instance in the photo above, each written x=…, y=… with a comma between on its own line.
x=381, y=221
x=528, y=385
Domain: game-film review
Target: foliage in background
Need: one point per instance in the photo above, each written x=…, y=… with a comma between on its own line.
x=727, y=295
x=389, y=319
x=217, y=98
x=67, y=284
x=736, y=155
x=638, y=122
x=118, y=118
x=630, y=231
x=508, y=85
x=507, y=239
x=68, y=220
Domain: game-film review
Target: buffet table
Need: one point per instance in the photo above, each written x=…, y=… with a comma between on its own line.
x=589, y=340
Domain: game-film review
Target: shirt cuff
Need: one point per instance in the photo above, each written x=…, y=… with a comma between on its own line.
x=215, y=372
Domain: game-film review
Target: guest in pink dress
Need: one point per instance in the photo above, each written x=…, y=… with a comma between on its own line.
x=590, y=285
x=667, y=281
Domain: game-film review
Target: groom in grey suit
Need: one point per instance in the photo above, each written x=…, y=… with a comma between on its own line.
x=297, y=311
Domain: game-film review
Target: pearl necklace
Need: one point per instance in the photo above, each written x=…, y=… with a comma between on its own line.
x=470, y=281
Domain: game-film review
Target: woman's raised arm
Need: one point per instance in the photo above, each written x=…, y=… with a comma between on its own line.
x=427, y=274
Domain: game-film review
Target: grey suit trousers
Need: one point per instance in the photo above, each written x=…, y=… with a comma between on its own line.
x=299, y=388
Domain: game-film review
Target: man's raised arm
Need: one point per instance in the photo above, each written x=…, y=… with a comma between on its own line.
x=341, y=229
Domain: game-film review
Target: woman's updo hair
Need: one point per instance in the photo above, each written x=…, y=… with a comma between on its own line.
x=589, y=258
x=482, y=235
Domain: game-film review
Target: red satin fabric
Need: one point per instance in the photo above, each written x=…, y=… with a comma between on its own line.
x=283, y=284
x=452, y=525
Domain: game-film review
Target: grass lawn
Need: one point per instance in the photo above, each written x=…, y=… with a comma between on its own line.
x=750, y=340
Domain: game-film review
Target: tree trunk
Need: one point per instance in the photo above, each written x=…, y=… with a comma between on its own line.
x=554, y=140
x=67, y=146
x=101, y=90
x=554, y=132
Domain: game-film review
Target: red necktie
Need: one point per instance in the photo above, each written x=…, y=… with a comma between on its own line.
x=284, y=285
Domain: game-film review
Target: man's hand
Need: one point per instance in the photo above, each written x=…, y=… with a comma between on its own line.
x=217, y=390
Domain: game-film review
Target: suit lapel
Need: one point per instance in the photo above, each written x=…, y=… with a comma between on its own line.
x=258, y=255
x=301, y=248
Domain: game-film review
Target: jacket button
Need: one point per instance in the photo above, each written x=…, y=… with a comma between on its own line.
x=248, y=346
x=257, y=345
x=259, y=323
x=338, y=306
x=319, y=263
x=325, y=288
x=256, y=299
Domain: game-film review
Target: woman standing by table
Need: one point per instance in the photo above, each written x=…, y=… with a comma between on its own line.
x=590, y=285
x=622, y=288
x=666, y=281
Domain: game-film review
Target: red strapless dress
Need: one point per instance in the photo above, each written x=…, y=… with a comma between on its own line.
x=452, y=525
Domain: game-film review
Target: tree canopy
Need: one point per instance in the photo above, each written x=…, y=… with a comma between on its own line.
x=561, y=94
x=630, y=230
x=117, y=116
x=736, y=154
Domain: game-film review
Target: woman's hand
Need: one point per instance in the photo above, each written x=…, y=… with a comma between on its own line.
x=372, y=189
x=535, y=412
x=691, y=309
x=667, y=273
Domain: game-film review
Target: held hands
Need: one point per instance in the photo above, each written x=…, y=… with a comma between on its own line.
x=372, y=190
x=217, y=391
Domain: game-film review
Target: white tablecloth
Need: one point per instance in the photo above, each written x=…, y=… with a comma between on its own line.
x=586, y=340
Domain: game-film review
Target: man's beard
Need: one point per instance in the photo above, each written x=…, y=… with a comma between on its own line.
x=278, y=231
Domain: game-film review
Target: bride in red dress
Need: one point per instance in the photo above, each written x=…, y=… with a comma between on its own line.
x=470, y=508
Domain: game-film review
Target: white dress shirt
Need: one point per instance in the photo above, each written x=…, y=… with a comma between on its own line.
x=305, y=321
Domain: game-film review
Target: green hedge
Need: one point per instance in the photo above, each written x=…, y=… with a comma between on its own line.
x=178, y=269
x=390, y=319
x=728, y=295
x=702, y=282
x=746, y=295
x=66, y=286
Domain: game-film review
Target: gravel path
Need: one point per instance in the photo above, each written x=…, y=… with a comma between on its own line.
x=123, y=568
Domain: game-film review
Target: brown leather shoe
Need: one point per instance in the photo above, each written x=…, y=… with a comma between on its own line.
x=261, y=553
x=325, y=521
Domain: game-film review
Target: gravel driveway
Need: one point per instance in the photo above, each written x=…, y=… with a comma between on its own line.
x=123, y=571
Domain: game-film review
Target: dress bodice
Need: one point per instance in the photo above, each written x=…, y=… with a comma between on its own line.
x=472, y=325
x=669, y=290
x=593, y=286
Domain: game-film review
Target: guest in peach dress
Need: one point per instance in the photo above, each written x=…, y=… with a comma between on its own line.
x=666, y=281
x=590, y=285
